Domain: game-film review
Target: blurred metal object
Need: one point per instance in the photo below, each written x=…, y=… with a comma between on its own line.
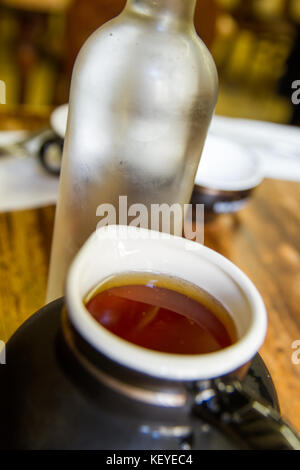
x=220, y=202
x=20, y=147
x=44, y=144
x=250, y=422
x=50, y=155
x=143, y=92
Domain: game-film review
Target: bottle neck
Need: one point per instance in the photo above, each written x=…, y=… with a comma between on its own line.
x=168, y=11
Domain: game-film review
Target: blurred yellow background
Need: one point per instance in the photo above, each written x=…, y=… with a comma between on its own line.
x=255, y=44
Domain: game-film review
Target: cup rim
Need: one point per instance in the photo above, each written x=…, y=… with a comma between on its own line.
x=164, y=365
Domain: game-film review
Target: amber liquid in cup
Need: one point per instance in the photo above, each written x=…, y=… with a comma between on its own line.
x=162, y=313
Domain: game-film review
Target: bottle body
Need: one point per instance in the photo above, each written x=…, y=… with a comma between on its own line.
x=142, y=98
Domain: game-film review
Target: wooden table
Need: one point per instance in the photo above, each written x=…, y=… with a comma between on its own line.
x=263, y=240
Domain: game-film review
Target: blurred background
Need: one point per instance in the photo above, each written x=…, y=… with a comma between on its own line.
x=255, y=44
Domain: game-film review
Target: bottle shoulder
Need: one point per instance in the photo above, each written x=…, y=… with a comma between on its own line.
x=129, y=37
x=123, y=51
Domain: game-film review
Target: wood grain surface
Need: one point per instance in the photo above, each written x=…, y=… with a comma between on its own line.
x=263, y=240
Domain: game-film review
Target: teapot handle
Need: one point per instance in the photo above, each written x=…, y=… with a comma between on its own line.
x=230, y=406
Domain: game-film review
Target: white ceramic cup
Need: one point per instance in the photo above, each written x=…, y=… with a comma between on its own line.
x=114, y=250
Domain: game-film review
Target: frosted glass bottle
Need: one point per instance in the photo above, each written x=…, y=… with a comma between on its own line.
x=143, y=93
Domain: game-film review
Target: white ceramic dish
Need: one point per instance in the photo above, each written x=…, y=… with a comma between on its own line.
x=228, y=166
